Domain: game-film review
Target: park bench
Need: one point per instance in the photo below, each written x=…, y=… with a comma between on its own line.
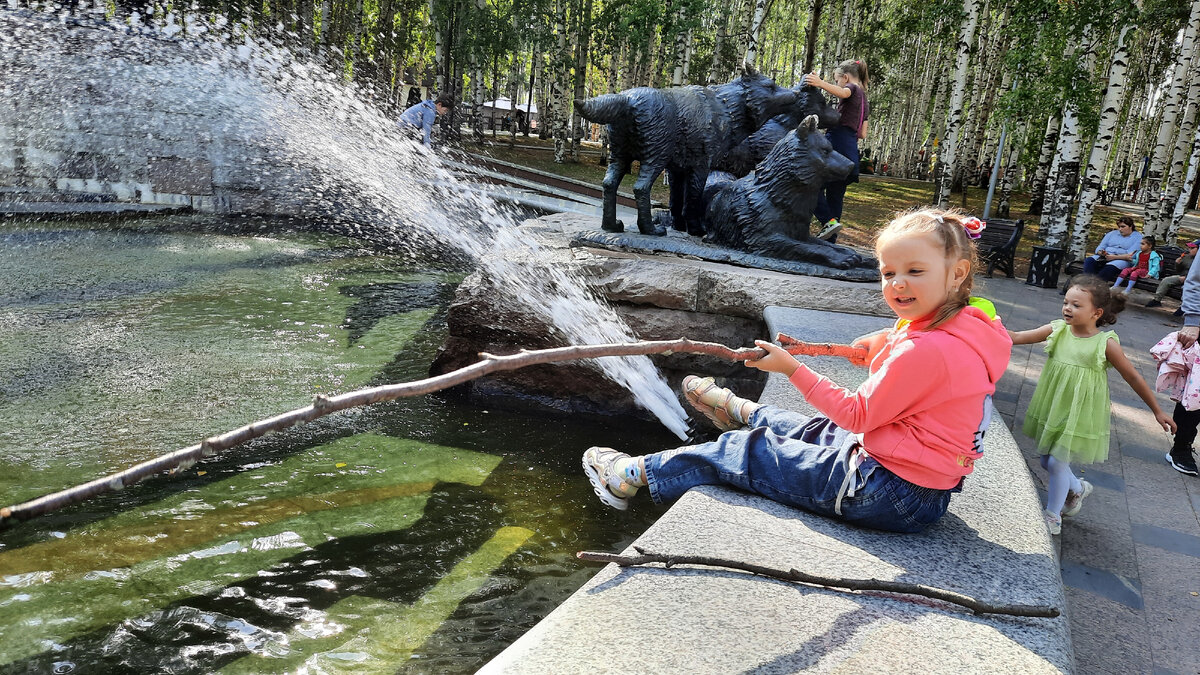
x=1167, y=268
x=998, y=244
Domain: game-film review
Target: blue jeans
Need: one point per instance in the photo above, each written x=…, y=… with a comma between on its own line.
x=833, y=195
x=1106, y=271
x=802, y=462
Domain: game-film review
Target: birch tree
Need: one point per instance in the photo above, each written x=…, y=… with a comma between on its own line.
x=761, y=7
x=1189, y=184
x=1110, y=113
x=1061, y=192
x=954, y=115
x=558, y=83
x=1167, y=126
x=1179, y=155
x=582, y=47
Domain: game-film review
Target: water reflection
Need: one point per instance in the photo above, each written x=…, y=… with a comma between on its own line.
x=413, y=532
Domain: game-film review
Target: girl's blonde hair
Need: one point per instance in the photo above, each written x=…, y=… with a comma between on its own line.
x=947, y=227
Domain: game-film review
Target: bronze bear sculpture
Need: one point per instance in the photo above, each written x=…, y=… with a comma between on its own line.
x=768, y=212
x=678, y=130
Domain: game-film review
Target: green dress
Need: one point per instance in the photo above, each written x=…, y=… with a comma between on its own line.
x=1070, y=412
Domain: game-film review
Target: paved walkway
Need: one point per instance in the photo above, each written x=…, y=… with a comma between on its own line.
x=1131, y=558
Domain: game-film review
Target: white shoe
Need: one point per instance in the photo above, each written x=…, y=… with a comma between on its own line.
x=1053, y=522
x=1075, y=499
x=598, y=465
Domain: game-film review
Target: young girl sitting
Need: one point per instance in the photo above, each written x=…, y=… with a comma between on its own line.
x=1070, y=411
x=886, y=456
x=1145, y=263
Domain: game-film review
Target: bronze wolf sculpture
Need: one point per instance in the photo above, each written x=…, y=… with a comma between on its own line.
x=768, y=212
x=742, y=159
x=679, y=130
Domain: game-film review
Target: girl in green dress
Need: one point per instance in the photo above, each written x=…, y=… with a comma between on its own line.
x=1070, y=412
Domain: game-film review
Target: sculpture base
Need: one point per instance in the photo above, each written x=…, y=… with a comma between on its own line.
x=682, y=244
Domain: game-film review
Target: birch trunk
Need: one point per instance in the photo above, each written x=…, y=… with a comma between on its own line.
x=915, y=165
x=1041, y=175
x=687, y=57
x=516, y=77
x=439, y=45
x=1124, y=146
x=937, y=129
x=327, y=18
x=715, y=72
x=1175, y=176
x=975, y=122
x=955, y=111
x=810, y=33
x=761, y=7
x=1110, y=113
x=680, y=52
x=1166, y=128
x=1012, y=169
x=1188, y=184
x=477, y=81
x=1062, y=190
x=583, y=48
x=991, y=71
x=558, y=84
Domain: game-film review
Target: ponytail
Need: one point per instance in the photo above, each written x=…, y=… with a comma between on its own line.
x=857, y=68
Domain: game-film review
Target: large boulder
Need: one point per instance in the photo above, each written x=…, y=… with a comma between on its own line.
x=661, y=297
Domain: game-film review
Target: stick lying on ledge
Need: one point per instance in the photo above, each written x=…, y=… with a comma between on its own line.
x=323, y=405
x=977, y=606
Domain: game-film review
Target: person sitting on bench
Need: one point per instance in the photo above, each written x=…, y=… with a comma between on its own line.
x=1182, y=264
x=1115, y=251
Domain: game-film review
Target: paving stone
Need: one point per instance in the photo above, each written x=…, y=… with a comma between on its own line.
x=1109, y=638
x=1114, y=587
x=1169, y=580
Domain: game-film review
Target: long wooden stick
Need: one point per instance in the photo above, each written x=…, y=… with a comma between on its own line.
x=323, y=405
x=977, y=606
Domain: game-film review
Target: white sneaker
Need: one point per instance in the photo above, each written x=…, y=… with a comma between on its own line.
x=1075, y=499
x=1053, y=522
x=831, y=228
x=609, y=486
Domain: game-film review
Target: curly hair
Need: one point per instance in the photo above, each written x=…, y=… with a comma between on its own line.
x=947, y=226
x=1102, y=297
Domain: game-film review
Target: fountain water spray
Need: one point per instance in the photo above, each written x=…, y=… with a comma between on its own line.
x=328, y=153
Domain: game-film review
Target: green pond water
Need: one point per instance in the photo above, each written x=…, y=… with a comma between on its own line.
x=419, y=535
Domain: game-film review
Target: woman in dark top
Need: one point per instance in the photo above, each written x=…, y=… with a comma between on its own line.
x=849, y=85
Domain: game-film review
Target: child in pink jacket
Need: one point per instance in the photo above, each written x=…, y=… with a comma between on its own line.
x=887, y=455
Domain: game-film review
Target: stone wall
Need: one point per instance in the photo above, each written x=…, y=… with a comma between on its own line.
x=89, y=107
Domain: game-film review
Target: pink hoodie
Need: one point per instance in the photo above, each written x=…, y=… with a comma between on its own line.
x=923, y=411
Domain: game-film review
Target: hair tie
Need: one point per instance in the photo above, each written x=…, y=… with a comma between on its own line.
x=974, y=227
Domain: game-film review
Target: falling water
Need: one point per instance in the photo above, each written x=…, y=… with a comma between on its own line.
x=336, y=156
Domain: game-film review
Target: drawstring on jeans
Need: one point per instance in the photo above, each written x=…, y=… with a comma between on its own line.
x=854, y=459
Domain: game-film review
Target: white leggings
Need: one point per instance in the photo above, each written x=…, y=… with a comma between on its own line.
x=1062, y=480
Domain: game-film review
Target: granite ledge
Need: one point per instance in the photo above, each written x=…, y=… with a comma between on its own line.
x=991, y=545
